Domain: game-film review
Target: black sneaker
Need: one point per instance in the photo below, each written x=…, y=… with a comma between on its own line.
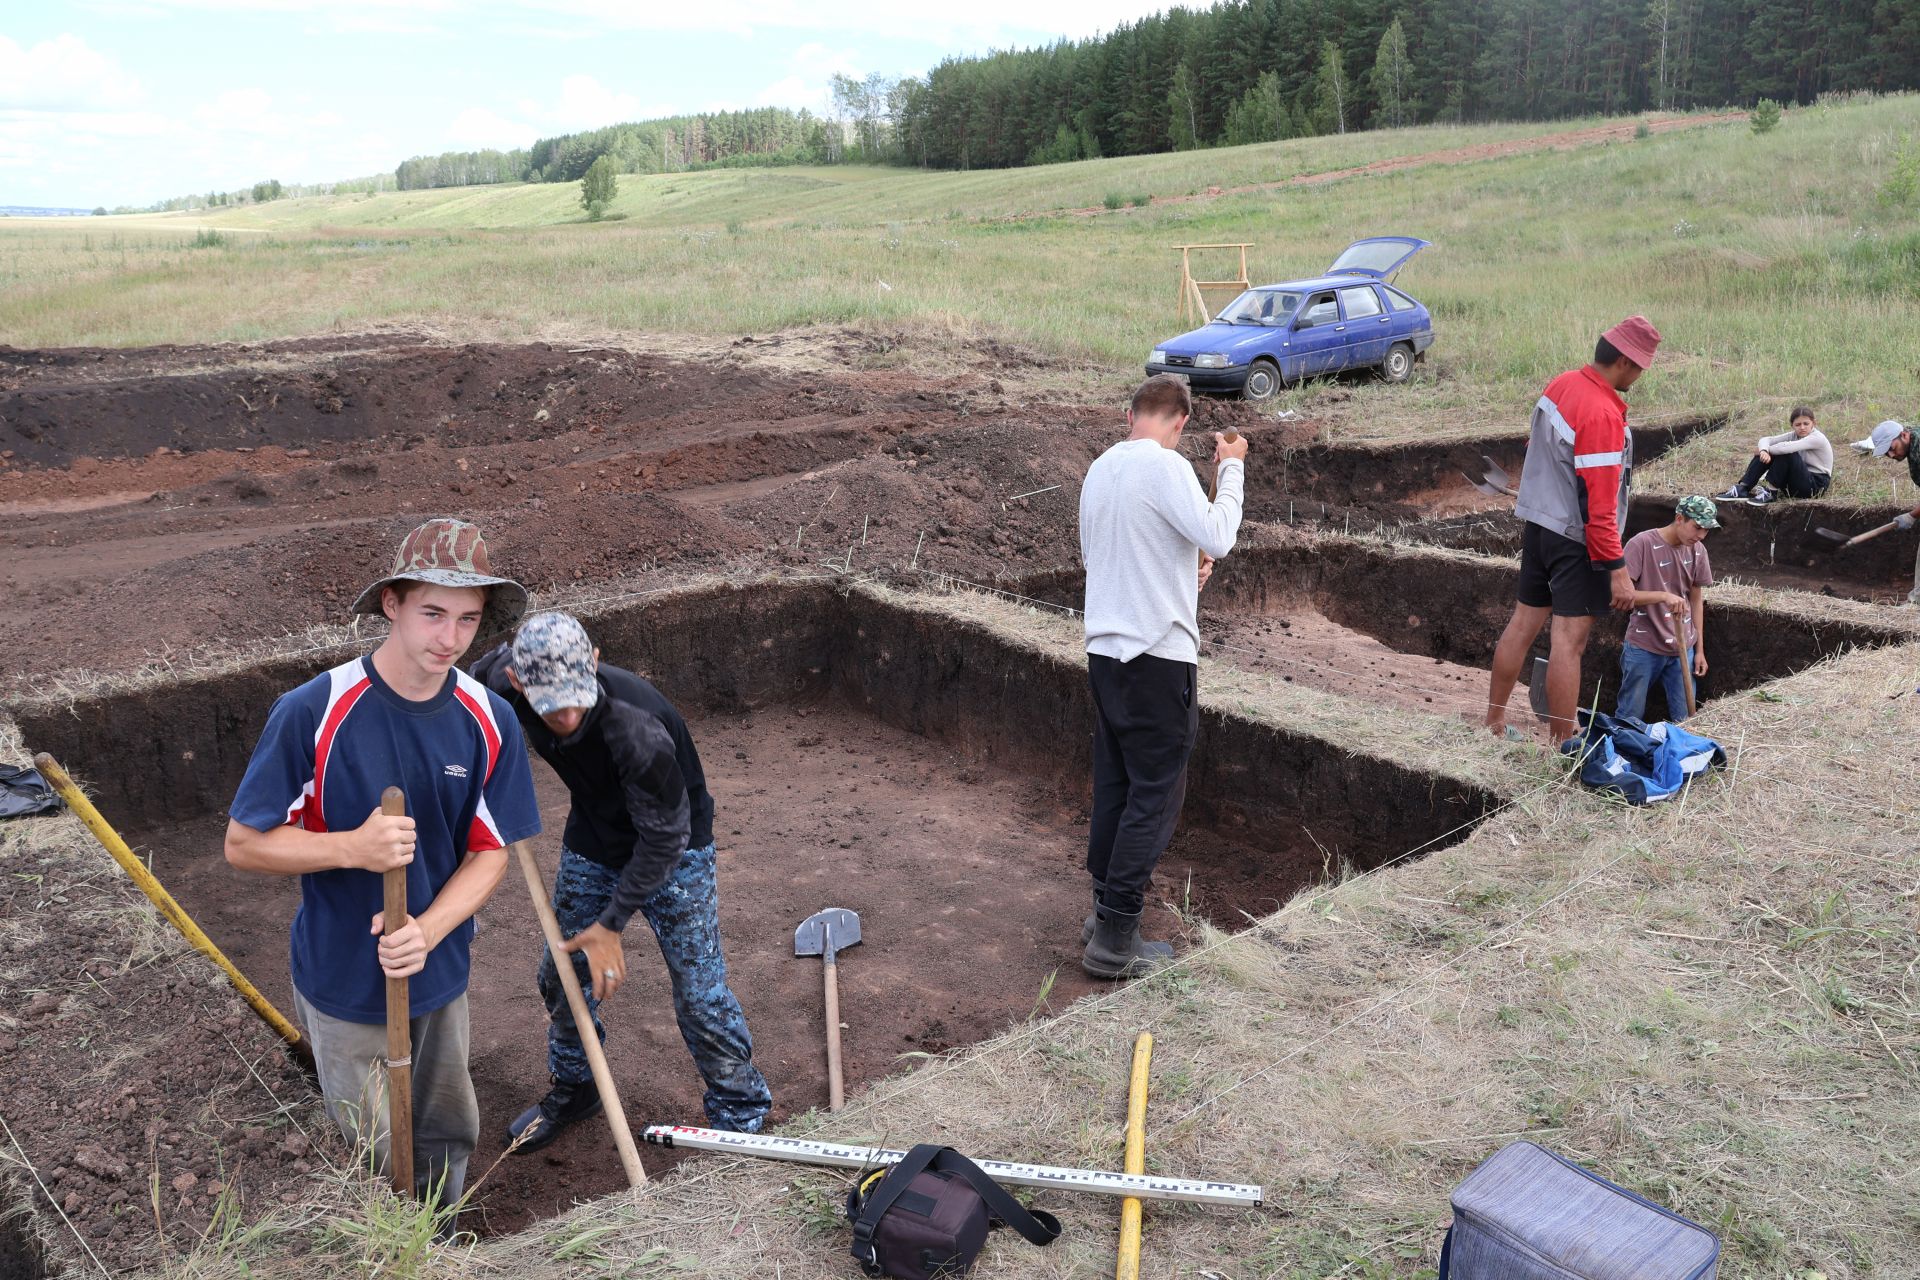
x=548, y=1118
x=1761, y=497
x=1733, y=494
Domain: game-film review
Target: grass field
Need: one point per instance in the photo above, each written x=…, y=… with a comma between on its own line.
x=1770, y=263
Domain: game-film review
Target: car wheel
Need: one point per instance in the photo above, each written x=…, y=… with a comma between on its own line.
x=1263, y=382
x=1398, y=366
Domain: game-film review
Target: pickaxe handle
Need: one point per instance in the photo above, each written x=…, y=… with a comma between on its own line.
x=1213, y=491
x=393, y=803
x=836, y=1084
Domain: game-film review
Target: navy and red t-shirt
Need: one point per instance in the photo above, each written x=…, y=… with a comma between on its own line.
x=330, y=748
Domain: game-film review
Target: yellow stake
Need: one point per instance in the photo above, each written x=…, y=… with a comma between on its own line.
x=1128, y=1267
x=156, y=892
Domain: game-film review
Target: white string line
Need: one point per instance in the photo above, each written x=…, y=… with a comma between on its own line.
x=1451, y=696
x=50, y=1200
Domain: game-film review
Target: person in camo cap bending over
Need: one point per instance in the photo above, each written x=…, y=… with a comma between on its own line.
x=639, y=838
x=309, y=806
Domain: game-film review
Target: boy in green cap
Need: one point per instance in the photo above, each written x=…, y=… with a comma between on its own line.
x=1668, y=566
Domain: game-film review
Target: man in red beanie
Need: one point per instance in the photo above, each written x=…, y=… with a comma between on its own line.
x=1573, y=498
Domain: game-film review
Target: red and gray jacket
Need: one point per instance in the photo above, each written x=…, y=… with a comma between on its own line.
x=1579, y=465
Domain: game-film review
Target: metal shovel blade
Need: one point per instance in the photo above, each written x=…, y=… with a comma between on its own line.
x=812, y=937
x=1496, y=475
x=1537, y=688
x=1830, y=540
x=1491, y=491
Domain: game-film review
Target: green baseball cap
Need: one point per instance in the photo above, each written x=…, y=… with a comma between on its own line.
x=1699, y=510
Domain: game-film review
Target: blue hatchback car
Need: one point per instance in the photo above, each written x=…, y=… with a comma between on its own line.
x=1350, y=318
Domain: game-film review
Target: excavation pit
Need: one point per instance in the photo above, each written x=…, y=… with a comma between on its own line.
x=1413, y=628
x=897, y=758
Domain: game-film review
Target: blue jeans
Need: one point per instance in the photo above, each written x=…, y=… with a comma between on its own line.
x=685, y=915
x=1639, y=668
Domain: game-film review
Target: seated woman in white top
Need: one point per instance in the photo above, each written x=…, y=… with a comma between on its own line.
x=1799, y=464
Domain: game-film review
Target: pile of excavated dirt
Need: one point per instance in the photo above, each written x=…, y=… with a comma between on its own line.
x=225, y=495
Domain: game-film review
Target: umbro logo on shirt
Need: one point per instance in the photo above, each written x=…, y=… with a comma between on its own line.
x=456, y=771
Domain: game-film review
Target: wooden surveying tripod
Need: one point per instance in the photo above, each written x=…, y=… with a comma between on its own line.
x=1193, y=302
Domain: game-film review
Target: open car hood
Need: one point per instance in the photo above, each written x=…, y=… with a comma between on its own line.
x=1377, y=256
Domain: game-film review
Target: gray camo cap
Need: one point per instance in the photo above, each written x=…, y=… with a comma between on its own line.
x=554, y=660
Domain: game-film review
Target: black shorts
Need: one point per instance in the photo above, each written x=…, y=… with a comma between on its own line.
x=1555, y=571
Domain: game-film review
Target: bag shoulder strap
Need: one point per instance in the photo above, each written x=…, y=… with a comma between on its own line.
x=1037, y=1225
x=866, y=1214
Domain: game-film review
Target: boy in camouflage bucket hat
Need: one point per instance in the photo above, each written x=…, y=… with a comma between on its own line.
x=639, y=839
x=309, y=806
x=1668, y=566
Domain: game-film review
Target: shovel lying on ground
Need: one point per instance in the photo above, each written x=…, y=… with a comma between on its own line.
x=823, y=934
x=1496, y=484
x=1832, y=540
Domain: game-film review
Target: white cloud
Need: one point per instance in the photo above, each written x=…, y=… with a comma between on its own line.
x=62, y=74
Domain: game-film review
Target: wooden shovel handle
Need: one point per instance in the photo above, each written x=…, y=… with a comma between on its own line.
x=836, y=1085
x=1870, y=534
x=393, y=803
x=1213, y=490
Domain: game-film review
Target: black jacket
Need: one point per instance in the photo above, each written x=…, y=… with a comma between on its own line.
x=639, y=795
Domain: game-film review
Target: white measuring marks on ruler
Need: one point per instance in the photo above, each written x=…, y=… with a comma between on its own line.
x=834, y=1155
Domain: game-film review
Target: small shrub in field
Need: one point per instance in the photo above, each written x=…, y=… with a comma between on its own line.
x=1141, y=202
x=735, y=227
x=1684, y=230
x=1641, y=130
x=1902, y=187
x=1766, y=115
x=206, y=238
x=1114, y=200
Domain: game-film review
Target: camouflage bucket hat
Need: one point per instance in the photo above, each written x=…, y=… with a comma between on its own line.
x=554, y=660
x=1699, y=510
x=451, y=553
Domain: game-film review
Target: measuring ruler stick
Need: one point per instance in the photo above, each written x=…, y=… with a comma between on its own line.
x=835, y=1155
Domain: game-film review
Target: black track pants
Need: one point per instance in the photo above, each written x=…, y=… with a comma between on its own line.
x=1146, y=714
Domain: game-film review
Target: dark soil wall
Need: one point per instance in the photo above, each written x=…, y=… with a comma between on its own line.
x=1750, y=541
x=178, y=751
x=1254, y=783
x=1453, y=608
x=174, y=753
x=1364, y=475
x=20, y=1257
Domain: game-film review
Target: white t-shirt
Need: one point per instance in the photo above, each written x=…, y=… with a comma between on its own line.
x=1144, y=519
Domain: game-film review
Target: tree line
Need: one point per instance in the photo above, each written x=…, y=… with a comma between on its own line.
x=1251, y=71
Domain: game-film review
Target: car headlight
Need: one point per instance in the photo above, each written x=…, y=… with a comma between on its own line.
x=1158, y=357
x=1212, y=360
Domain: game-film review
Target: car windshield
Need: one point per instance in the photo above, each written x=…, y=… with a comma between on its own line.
x=1259, y=306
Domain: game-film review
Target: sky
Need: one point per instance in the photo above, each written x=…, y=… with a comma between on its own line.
x=111, y=102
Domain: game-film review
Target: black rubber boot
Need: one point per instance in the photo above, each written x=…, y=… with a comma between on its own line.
x=1086, y=928
x=1117, y=951
x=549, y=1117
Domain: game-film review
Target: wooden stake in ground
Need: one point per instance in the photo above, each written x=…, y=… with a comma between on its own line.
x=582, y=1019
x=393, y=803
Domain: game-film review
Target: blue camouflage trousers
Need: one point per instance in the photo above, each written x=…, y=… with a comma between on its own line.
x=685, y=915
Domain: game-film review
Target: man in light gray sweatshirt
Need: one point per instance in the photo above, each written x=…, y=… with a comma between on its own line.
x=1148, y=538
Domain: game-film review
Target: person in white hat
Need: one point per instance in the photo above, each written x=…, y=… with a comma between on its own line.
x=1895, y=440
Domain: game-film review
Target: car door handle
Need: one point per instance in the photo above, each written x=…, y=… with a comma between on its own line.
x=1385, y=319
x=1339, y=328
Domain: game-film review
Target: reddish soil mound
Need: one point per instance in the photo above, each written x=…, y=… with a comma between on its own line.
x=268, y=485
